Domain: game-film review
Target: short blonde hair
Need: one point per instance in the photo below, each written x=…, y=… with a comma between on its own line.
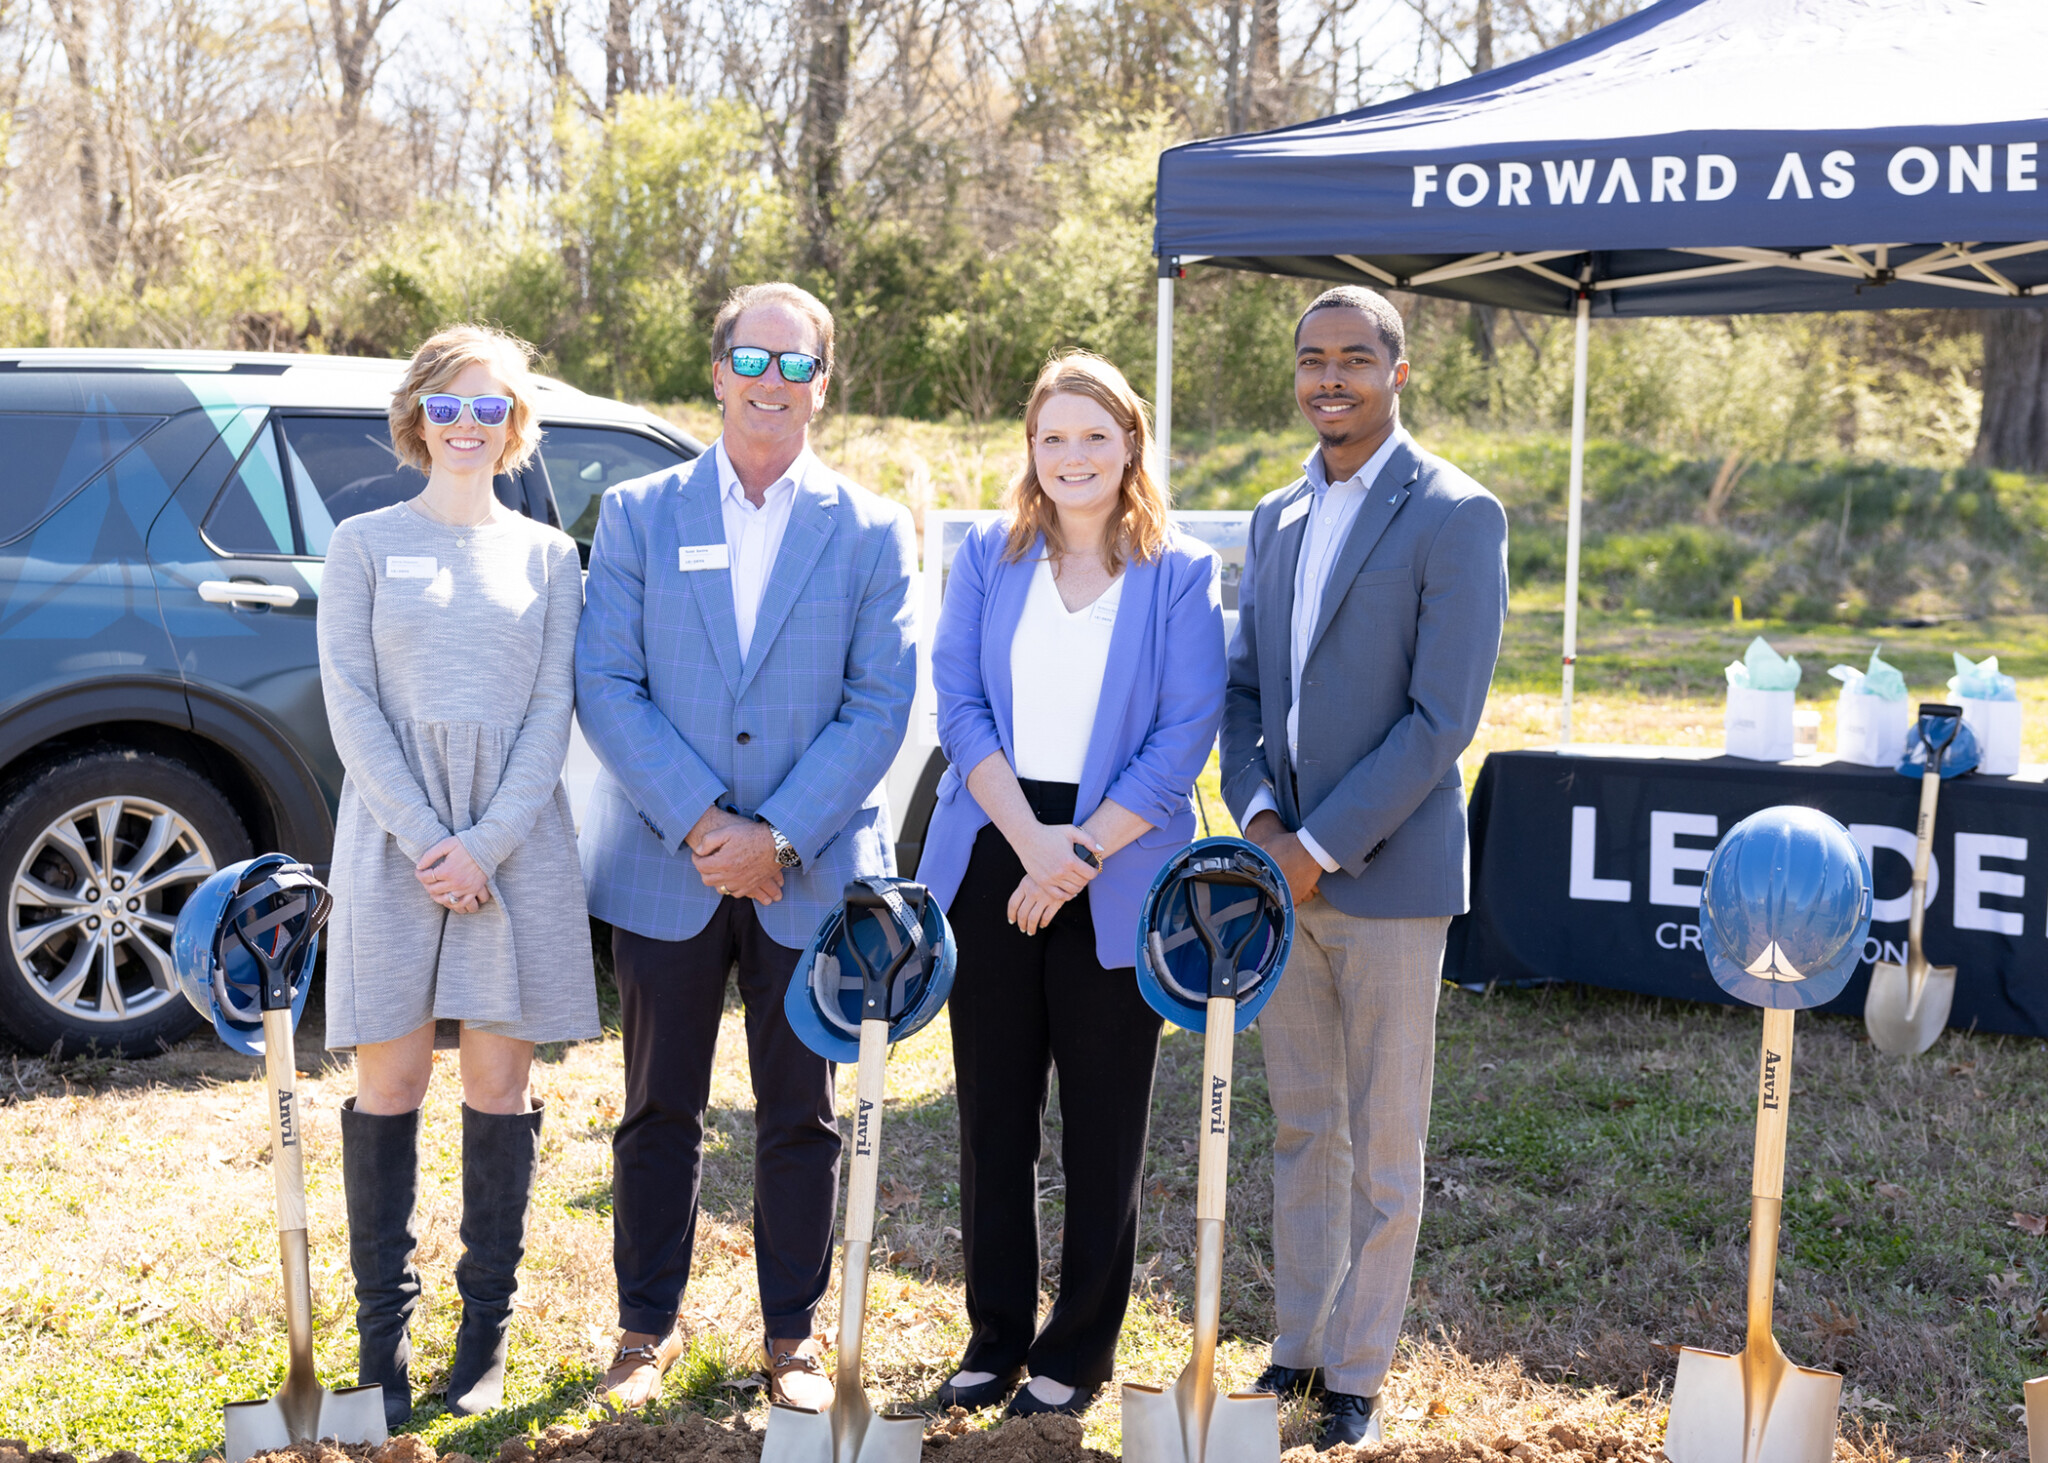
x=1141, y=529
x=446, y=354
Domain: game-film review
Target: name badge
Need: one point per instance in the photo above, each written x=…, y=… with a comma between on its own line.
x=1103, y=614
x=1297, y=510
x=410, y=566
x=692, y=557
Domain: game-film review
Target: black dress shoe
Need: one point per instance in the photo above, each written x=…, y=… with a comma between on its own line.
x=1028, y=1403
x=1290, y=1381
x=1348, y=1418
x=981, y=1394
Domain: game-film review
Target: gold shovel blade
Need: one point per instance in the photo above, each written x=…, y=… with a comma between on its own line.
x=1748, y=1409
x=350, y=1415
x=804, y=1435
x=1244, y=1427
x=1900, y=1024
x=2037, y=1420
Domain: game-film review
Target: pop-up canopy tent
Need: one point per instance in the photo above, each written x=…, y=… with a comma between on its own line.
x=1703, y=157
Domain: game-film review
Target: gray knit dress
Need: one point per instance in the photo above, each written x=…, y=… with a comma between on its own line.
x=447, y=660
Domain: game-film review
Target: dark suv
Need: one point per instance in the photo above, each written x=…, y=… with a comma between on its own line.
x=162, y=521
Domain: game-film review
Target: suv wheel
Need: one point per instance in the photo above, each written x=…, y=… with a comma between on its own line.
x=99, y=854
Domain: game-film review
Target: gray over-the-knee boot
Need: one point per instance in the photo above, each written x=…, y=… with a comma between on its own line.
x=380, y=1176
x=498, y=1156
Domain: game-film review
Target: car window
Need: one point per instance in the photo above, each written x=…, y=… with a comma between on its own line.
x=342, y=466
x=252, y=514
x=49, y=457
x=583, y=461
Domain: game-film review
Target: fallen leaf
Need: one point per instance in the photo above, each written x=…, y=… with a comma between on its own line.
x=897, y=1195
x=1839, y=1221
x=1854, y=1400
x=1890, y=1191
x=1409, y=1414
x=1837, y=1322
x=906, y=1258
x=2029, y=1223
x=1439, y=1408
x=2006, y=1283
x=1961, y=1069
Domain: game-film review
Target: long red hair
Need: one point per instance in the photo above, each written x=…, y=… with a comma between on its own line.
x=1139, y=530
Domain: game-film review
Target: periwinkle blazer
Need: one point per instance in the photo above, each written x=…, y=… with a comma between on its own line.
x=1392, y=688
x=1162, y=698
x=800, y=733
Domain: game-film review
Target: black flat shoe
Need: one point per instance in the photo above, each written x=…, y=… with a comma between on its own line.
x=1290, y=1381
x=980, y=1395
x=1348, y=1418
x=1028, y=1403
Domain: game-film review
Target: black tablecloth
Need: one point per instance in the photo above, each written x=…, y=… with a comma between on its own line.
x=1586, y=867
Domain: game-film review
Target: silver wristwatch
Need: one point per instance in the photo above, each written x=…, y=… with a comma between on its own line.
x=785, y=851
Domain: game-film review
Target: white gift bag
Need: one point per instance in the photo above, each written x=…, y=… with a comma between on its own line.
x=1996, y=726
x=1871, y=731
x=1759, y=724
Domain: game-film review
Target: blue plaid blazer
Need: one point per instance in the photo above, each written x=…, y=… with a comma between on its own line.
x=800, y=733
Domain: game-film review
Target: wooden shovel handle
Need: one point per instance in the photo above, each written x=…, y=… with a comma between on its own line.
x=1767, y=1185
x=1212, y=1180
x=1923, y=848
x=863, y=1177
x=287, y=1153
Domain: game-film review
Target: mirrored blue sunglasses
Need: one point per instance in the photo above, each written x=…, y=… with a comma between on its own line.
x=486, y=411
x=796, y=367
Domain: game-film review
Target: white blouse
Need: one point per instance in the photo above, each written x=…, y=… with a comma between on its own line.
x=1057, y=661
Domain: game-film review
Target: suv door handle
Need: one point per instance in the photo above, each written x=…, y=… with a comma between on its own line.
x=245, y=591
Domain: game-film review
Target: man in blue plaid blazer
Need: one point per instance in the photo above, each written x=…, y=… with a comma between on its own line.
x=744, y=671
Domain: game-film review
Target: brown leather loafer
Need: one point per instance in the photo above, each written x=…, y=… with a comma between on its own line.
x=634, y=1377
x=796, y=1374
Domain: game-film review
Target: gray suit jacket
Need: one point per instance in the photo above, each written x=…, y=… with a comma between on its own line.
x=1392, y=689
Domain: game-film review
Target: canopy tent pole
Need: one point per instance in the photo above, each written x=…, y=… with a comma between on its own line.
x=1572, y=512
x=1162, y=383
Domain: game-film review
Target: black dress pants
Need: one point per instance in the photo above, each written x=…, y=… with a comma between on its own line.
x=671, y=993
x=1021, y=1006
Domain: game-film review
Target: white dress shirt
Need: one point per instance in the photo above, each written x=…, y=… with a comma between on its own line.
x=753, y=536
x=1057, y=661
x=1333, y=510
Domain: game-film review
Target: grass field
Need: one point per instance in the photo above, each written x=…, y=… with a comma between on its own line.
x=1589, y=1165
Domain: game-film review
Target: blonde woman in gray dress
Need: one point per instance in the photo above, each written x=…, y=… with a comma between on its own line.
x=447, y=635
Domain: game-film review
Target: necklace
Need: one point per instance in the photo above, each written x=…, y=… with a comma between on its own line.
x=419, y=506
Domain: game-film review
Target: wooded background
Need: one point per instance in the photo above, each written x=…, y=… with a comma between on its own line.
x=966, y=182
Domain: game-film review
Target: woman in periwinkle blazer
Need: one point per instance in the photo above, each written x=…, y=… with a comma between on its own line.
x=1079, y=663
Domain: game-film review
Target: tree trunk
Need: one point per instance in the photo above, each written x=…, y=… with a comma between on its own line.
x=355, y=53
x=829, y=24
x=621, y=66
x=2014, y=430
x=1482, y=36
x=102, y=243
x=1233, y=67
x=1264, y=104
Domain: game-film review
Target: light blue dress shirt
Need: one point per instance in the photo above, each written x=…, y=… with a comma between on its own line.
x=1333, y=509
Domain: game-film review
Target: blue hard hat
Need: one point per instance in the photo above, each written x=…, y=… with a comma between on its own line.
x=1218, y=920
x=889, y=934
x=1940, y=732
x=1785, y=909
x=245, y=942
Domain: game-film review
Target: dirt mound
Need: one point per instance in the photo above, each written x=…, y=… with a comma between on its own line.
x=950, y=1439
x=1559, y=1443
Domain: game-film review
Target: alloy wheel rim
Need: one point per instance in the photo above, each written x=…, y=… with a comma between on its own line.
x=93, y=904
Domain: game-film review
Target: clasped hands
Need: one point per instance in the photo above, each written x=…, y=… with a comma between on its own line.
x=1053, y=873
x=1297, y=863
x=452, y=878
x=735, y=855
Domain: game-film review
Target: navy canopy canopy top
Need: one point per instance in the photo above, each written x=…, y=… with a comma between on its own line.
x=1700, y=157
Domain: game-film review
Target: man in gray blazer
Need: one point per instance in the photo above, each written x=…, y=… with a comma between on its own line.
x=1369, y=617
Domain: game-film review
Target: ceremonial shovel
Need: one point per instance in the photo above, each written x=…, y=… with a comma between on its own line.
x=852, y=1431
x=1908, y=1005
x=1757, y=1407
x=303, y=1411
x=1191, y=1424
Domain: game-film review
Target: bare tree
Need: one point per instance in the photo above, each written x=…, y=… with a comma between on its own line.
x=828, y=36
x=356, y=55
